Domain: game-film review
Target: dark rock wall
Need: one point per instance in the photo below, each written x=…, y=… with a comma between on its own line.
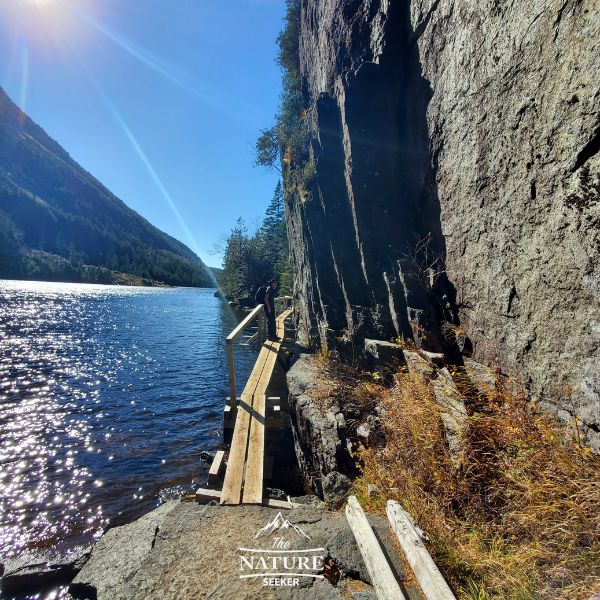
x=468, y=131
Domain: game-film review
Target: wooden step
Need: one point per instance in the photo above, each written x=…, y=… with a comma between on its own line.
x=216, y=468
x=204, y=496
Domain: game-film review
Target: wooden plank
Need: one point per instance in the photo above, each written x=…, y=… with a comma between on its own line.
x=254, y=469
x=380, y=572
x=216, y=467
x=232, y=486
x=258, y=369
x=231, y=369
x=272, y=503
x=432, y=583
x=265, y=376
x=283, y=316
x=244, y=323
x=204, y=496
x=234, y=476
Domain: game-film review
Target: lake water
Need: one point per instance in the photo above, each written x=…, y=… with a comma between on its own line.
x=108, y=395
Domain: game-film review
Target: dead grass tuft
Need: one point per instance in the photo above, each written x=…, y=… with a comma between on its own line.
x=520, y=519
x=345, y=385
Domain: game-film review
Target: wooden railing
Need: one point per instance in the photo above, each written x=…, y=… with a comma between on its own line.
x=256, y=314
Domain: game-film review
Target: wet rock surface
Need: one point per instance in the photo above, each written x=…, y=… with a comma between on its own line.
x=456, y=149
x=40, y=571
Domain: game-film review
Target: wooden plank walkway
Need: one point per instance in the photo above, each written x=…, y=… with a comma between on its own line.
x=244, y=475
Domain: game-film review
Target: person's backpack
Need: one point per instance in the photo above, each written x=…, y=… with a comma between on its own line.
x=259, y=297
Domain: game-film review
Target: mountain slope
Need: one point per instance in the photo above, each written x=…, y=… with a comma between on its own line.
x=59, y=222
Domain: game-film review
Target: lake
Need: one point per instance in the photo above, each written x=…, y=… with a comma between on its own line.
x=108, y=395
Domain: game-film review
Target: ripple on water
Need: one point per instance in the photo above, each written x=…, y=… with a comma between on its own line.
x=107, y=396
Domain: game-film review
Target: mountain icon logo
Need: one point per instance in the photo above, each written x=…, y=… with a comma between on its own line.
x=279, y=523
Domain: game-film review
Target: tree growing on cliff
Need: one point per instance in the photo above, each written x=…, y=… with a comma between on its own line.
x=267, y=149
x=287, y=141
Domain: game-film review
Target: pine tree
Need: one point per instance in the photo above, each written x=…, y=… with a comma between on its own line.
x=250, y=261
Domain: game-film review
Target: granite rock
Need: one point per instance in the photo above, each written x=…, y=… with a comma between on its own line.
x=456, y=151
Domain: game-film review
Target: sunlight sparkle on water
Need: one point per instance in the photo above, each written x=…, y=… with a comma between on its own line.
x=107, y=397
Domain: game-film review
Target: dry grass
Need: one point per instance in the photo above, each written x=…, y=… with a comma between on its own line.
x=520, y=518
x=352, y=389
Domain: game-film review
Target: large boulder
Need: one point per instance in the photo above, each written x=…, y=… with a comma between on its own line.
x=185, y=551
x=319, y=426
x=118, y=556
x=33, y=572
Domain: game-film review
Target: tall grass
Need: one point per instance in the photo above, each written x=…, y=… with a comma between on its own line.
x=519, y=518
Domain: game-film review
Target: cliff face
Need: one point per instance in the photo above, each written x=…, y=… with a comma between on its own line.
x=458, y=181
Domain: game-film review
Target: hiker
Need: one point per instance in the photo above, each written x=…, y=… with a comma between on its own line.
x=269, y=303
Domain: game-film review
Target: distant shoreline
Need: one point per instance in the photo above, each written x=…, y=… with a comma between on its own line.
x=149, y=284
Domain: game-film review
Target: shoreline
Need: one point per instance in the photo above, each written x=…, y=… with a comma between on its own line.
x=156, y=284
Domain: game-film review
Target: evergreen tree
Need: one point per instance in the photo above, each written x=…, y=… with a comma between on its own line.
x=249, y=261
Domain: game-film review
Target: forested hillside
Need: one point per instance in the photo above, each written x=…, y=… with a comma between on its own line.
x=57, y=222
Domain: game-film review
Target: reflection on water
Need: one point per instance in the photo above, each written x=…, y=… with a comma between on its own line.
x=107, y=396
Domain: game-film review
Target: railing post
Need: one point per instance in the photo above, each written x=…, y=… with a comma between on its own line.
x=262, y=324
x=230, y=366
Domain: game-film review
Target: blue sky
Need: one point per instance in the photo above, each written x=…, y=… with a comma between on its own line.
x=161, y=100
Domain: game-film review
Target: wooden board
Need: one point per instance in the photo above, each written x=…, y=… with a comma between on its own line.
x=231, y=370
x=245, y=468
x=232, y=485
x=234, y=476
x=380, y=572
x=215, y=468
x=204, y=496
x=432, y=583
x=271, y=503
x=254, y=468
x=243, y=324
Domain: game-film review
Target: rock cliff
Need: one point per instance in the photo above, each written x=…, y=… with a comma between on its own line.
x=457, y=185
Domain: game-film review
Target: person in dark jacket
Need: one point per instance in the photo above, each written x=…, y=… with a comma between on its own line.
x=269, y=303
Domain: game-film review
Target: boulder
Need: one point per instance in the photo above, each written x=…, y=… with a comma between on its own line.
x=453, y=414
x=336, y=489
x=319, y=427
x=118, y=555
x=35, y=571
